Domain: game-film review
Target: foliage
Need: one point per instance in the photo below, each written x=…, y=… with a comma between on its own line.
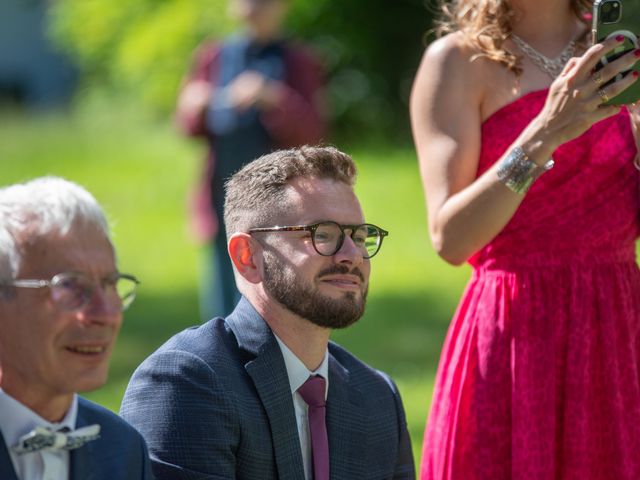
x=138, y=46
x=371, y=49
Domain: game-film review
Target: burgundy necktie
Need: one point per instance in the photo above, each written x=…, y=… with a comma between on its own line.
x=313, y=392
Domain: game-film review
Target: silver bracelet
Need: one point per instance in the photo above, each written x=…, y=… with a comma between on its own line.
x=518, y=172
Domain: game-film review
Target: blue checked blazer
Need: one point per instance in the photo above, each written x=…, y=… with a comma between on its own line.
x=214, y=402
x=120, y=452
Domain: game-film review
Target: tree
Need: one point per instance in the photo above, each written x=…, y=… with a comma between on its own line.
x=371, y=49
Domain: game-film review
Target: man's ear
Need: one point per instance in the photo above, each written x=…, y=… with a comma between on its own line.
x=244, y=251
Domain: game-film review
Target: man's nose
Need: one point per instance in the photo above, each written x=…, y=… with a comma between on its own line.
x=349, y=252
x=104, y=307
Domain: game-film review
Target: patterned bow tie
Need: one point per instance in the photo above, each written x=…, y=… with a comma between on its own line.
x=44, y=438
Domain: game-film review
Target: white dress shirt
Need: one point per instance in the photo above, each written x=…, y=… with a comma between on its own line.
x=298, y=373
x=17, y=420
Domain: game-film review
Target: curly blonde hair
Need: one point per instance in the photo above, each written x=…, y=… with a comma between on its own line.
x=486, y=24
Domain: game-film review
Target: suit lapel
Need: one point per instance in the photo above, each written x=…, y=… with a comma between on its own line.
x=83, y=459
x=268, y=372
x=345, y=420
x=6, y=465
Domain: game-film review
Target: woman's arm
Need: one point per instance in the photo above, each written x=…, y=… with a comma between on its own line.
x=466, y=213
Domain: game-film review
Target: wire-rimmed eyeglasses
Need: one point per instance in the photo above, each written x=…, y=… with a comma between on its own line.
x=72, y=291
x=328, y=237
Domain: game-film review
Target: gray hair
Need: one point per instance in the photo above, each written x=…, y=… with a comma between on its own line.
x=256, y=194
x=46, y=205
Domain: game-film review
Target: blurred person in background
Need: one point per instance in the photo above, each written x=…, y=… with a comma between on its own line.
x=538, y=377
x=246, y=95
x=61, y=303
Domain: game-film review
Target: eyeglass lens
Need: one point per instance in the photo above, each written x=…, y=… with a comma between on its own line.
x=329, y=236
x=73, y=292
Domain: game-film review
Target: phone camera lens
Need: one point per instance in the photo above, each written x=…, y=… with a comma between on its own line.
x=611, y=12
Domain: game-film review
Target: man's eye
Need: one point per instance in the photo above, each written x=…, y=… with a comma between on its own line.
x=323, y=237
x=359, y=239
x=69, y=284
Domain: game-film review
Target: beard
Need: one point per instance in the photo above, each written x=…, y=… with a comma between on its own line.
x=303, y=299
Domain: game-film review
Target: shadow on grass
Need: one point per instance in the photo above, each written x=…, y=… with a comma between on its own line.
x=400, y=334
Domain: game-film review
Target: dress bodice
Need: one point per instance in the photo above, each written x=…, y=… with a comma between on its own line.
x=585, y=208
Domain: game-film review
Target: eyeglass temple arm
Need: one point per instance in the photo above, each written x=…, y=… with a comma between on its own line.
x=280, y=229
x=27, y=283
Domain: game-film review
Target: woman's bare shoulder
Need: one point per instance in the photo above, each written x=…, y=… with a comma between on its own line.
x=452, y=68
x=451, y=50
x=453, y=64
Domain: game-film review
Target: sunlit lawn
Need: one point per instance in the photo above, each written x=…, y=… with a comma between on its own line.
x=140, y=170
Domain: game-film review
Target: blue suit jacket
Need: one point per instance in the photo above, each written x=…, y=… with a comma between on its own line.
x=120, y=452
x=214, y=402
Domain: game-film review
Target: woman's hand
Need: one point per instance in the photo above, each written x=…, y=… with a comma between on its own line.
x=576, y=97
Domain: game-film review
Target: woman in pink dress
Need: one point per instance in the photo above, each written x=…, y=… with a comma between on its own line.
x=540, y=372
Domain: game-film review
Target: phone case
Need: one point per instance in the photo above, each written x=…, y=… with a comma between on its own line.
x=627, y=25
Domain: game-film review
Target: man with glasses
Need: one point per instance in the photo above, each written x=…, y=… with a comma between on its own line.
x=61, y=303
x=263, y=394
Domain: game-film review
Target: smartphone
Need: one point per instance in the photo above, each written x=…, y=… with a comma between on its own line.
x=610, y=19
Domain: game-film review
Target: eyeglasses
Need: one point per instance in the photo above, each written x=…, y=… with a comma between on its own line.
x=73, y=291
x=328, y=237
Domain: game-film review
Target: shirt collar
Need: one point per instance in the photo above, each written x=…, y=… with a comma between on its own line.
x=298, y=373
x=18, y=420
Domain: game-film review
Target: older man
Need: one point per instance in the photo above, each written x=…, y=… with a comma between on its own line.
x=263, y=394
x=61, y=303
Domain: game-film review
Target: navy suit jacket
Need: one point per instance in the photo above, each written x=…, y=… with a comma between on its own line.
x=120, y=452
x=214, y=402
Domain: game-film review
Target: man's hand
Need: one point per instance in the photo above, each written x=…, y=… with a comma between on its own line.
x=194, y=98
x=250, y=89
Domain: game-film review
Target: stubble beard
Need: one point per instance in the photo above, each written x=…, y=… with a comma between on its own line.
x=297, y=296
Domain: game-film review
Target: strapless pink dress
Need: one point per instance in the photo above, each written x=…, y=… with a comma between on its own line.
x=540, y=372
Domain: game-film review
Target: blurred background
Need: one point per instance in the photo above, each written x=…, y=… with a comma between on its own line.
x=88, y=91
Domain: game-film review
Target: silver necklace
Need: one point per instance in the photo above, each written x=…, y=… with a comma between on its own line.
x=551, y=66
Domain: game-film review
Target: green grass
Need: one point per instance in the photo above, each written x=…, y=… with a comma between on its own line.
x=140, y=170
